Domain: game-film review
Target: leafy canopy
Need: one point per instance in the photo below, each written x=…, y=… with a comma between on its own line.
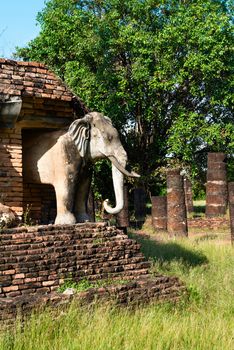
x=161, y=69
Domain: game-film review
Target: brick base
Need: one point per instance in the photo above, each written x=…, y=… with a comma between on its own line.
x=36, y=260
x=143, y=290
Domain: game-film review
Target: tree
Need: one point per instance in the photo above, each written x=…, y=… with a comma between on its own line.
x=161, y=69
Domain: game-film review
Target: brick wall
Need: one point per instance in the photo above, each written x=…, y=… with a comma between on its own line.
x=45, y=107
x=47, y=104
x=11, y=183
x=146, y=289
x=38, y=258
x=33, y=79
x=39, y=203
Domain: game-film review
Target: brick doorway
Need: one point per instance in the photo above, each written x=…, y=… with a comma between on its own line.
x=39, y=200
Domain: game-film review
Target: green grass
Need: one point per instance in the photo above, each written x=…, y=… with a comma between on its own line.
x=84, y=284
x=205, y=320
x=199, y=208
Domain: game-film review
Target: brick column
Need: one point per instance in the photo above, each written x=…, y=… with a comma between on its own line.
x=216, y=186
x=188, y=195
x=122, y=218
x=176, y=209
x=91, y=206
x=159, y=212
x=231, y=208
x=11, y=181
x=140, y=204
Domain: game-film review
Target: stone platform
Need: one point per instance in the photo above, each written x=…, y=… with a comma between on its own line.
x=35, y=260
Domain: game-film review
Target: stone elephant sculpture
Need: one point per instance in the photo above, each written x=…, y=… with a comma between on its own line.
x=64, y=159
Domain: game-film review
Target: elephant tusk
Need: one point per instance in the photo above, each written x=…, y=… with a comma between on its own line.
x=111, y=210
x=115, y=162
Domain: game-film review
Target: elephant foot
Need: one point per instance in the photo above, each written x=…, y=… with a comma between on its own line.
x=82, y=217
x=65, y=219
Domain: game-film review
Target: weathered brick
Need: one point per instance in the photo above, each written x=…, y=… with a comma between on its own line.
x=9, y=272
x=18, y=281
x=62, y=253
x=29, y=280
x=10, y=289
x=48, y=283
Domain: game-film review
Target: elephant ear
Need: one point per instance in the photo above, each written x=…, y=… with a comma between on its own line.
x=79, y=131
x=107, y=119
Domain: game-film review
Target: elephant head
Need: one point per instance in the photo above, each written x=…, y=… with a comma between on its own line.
x=96, y=138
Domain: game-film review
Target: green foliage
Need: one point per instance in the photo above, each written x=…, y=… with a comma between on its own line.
x=161, y=69
x=102, y=182
x=27, y=220
x=199, y=192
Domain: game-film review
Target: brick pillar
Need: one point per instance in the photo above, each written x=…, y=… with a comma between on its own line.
x=159, y=212
x=176, y=209
x=216, y=186
x=11, y=181
x=140, y=204
x=91, y=206
x=231, y=208
x=188, y=195
x=122, y=218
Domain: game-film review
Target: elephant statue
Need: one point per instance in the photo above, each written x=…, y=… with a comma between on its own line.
x=64, y=159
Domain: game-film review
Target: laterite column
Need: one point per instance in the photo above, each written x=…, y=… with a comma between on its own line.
x=159, y=212
x=188, y=195
x=176, y=209
x=140, y=204
x=231, y=208
x=122, y=218
x=91, y=206
x=216, y=186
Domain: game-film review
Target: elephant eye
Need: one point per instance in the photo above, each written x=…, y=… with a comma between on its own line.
x=110, y=137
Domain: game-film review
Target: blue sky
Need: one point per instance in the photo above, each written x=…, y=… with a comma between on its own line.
x=18, y=23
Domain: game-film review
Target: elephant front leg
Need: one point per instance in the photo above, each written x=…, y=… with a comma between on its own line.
x=65, y=200
x=81, y=198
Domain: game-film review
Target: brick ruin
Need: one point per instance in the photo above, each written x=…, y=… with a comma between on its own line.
x=35, y=260
x=159, y=212
x=31, y=98
x=188, y=191
x=216, y=186
x=169, y=213
x=39, y=258
x=176, y=208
